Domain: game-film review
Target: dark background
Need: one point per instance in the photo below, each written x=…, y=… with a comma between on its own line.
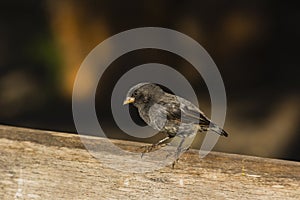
x=254, y=44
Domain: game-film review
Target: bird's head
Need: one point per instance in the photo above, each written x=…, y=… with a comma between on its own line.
x=143, y=93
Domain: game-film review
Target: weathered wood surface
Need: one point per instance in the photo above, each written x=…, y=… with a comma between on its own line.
x=38, y=164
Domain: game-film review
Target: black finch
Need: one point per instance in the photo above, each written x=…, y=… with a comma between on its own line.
x=169, y=113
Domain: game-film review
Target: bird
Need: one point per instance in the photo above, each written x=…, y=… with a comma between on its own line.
x=168, y=113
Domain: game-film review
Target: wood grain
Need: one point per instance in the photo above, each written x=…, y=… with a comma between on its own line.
x=37, y=164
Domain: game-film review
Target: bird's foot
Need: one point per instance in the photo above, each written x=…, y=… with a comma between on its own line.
x=150, y=148
x=174, y=163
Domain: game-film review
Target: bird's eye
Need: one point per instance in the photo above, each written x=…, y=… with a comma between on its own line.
x=135, y=93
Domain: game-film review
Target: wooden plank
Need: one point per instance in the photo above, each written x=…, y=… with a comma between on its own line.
x=36, y=164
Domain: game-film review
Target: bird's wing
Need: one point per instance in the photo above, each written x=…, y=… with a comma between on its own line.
x=158, y=116
x=191, y=113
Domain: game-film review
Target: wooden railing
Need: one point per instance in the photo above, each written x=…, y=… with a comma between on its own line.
x=37, y=164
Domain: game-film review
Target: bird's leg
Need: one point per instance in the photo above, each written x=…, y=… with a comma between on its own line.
x=148, y=149
x=162, y=141
x=174, y=163
x=178, y=151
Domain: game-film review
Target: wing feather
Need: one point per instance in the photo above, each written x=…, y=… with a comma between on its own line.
x=190, y=112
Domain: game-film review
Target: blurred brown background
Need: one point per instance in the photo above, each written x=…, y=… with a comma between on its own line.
x=42, y=44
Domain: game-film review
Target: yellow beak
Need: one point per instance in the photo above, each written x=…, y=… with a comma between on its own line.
x=128, y=100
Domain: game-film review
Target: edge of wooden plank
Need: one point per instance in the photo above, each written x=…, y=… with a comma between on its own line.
x=72, y=140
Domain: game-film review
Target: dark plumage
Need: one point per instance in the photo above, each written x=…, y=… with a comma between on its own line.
x=169, y=113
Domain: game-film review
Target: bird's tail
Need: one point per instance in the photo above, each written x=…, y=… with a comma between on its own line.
x=215, y=128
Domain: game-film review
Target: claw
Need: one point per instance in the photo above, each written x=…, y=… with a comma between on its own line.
x=174, y=163
x=147, y=149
